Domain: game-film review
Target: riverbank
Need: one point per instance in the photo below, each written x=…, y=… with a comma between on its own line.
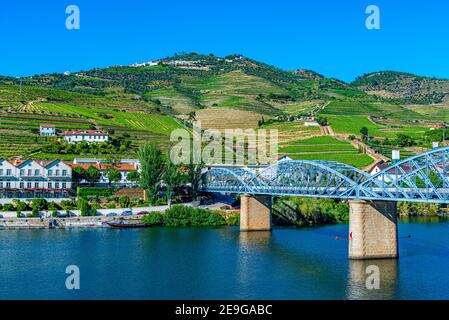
x=47, y=223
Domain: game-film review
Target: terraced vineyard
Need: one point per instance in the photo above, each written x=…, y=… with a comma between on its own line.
x=145, y=104
x=325, y=148
x=20, y=122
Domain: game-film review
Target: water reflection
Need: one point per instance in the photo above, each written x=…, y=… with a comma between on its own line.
x=388, y=272
x=257, y=239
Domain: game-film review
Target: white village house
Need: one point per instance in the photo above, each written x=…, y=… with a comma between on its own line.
x=125, y=166
x=48, y=130
x=89, y=136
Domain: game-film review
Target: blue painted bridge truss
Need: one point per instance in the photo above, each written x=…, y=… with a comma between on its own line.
x=422, y=178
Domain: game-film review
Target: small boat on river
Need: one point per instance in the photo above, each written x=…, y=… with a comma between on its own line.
x=127, y=224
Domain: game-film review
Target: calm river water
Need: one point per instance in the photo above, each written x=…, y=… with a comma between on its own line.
x=164, y=263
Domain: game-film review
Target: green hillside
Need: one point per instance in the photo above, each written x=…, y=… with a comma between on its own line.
x=405, y=87
x=145, y=103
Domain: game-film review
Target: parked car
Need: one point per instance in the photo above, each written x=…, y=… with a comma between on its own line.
x=127, y=212
x=112, y=214
x=66, y=215
x=142, y=213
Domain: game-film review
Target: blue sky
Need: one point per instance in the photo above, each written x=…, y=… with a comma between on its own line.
x=328, y=36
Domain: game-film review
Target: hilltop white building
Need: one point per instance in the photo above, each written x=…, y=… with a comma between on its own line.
x=89, y=136
x=48, y=130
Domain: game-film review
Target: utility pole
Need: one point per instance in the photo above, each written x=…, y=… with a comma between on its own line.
x=443, y=127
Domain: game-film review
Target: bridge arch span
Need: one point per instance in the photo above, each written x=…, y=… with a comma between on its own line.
x=421, y=178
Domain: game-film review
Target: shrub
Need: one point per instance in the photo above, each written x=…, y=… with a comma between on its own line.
x=35, y=212
x=161, y=202
x=111, y=205
x=154, y=218
x=124, y=201
x=20, y=206
x=179, y=216
x=67, y=205
x=96, y=192
x=233, y=220
x=54, y=214
x=39, y=204
x=83, y=206
x=8, y=207
x=52, y=206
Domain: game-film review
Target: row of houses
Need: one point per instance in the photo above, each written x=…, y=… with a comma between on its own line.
x=54, y=179
x=89, y=136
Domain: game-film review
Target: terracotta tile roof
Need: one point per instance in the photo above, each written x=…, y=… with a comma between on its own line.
x=102, y=167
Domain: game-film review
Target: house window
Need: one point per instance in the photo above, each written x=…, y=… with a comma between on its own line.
x=64, y=185
x=57, y=172
x=21, y=185
x=49, y=185
x=1, y=184
x=36, y=185
x=1, y=172
x=50, y=172
x=29, y=185
x=8, y=172
x=22, y=172
x=37, y=172
x=8, y=185
x=57, y=185
x=64, y=173
x=29, y=172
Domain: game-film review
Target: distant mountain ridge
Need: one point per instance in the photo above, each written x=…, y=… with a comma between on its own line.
x=187, y=82
x=404, y=86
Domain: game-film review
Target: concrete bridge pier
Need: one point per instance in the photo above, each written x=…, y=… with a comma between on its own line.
x=255, y=213
x=373, y=231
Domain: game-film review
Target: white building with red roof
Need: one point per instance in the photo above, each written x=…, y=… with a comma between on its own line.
x=89, y=136
x=35, y=179
x=125, y=166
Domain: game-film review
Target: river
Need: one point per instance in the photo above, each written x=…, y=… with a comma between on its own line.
x=204, y=263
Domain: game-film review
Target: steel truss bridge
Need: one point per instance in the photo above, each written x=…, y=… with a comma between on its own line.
x=422, y=178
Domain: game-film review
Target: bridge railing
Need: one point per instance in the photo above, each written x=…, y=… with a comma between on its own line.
x=422, y=178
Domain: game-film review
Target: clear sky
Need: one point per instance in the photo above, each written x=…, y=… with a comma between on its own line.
x=328, y=36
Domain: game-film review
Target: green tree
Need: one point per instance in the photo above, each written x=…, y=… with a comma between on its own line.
x=67, y=205
x=403, y=140
x=152, y=169
x=83, y=205
x=321, y=121
x=39, y=204
x=79, y=173
x=195, y=173
x=364, y=132
x=114, y=176
x=171, y=179
x=133, y=176
x=93, y=175
x=20, y=206
x=124, y=201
